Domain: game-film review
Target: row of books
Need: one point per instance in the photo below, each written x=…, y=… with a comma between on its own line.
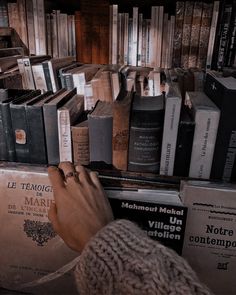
x=195, y=219
x=133, y=118
x=43, y=33
x=200, y=34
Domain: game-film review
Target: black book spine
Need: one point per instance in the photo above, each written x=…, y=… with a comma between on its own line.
x=184, y=146
x=225, y=147
x=3, y=146
x=20, y=132
x=37, y=142
x=47, y=76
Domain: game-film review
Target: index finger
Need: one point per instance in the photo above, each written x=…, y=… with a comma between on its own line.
x=56, y=178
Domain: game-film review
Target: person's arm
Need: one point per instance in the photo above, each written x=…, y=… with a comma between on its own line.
x=116, y=256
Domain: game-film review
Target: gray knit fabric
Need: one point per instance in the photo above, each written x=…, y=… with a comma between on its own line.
x=122, y=260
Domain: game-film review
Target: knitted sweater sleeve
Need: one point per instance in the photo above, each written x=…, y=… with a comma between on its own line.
x=122, y=260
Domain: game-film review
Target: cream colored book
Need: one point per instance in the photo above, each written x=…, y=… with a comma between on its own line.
x=31, y=252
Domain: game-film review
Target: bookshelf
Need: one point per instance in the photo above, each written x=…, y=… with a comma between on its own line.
x=92, y=46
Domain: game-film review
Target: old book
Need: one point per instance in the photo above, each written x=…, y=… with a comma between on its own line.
x=50, y=122
x=39, y=77
x=184, y=144
x=120, y=132
x=51, y=71
x=11, y=80
x=66, y=80
x=11, y=51
x=187, y=23
x=178, y=33
x=8, y=62
x=212, y=34
x=209, y=243
x=173, y=102
x=195, y=33
x=36, y=129
x=206, y=116
x=159, y=213
x=22, y=21
x=80, y=143
x=32, y=252
x=20, y=126
x=7, y=143
x=146, y=128
x=30, y=25
x=100, y=122
x=207, y=11
x=222, y=92
x=67, y=115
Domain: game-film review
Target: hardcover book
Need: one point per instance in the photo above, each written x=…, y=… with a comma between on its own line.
x=158, y=212
x=173, y=102
x=222, y=90
x=206, y=116
x=209, y=243
x=100, y=123
x=146, y=128
x=33, y=258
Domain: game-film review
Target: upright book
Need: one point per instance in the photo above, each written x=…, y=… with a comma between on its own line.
x=222, y=92
x=173, y=102
x=146, y=128
x=206, y=116
x=100, y=123
x=50, y=108
x=209, y=243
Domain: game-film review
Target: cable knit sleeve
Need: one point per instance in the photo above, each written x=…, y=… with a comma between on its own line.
x=122, y=260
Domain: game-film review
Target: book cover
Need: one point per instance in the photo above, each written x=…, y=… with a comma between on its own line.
x=146, y=128
x=120, y=132
x=209, y=243
x=33, y=258
x=206, y=116
x=100, y=123
x=221, y=90
x=158, y=212
x=173, y=102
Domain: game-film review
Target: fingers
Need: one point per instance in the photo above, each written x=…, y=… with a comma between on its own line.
x=52, y=216
x=68, y=169
x=55, y=178
x=83, y=175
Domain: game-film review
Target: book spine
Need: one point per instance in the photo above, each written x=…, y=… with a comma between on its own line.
x=212, y=35
x=178, y=33
x=20, y=133
x=47, y=75
x=37, y=143
x=28, y=73
x=30, y=25
x=114, y=34
x=3, y=146
x=188, y=14
x=100, y=139
x=206, y=125
x=135, y=37
x=183, y=148
x=64, y=135
x=170, y=129
x=120, y=134
x=80, y=144
x=195, y=33
x=204, y=34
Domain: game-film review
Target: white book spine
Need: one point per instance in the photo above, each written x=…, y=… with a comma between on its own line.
x=211, y=41
x=28, y=73
x=170, y=131
x=206, y=125
x=140, y=39
x=153, y=35
x=41, y=27
x=53, y=81
x=114, y=34
x=39, y=78
x=88, y=97
x=79, y=82
x=135, y=37
x=64, y=135
x=159, y=36
x=126, y=35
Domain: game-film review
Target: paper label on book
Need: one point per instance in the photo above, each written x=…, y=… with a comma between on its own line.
x=30, y=249
x=20, y=136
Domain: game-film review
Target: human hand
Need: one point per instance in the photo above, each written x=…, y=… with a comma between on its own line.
x=81, y=207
